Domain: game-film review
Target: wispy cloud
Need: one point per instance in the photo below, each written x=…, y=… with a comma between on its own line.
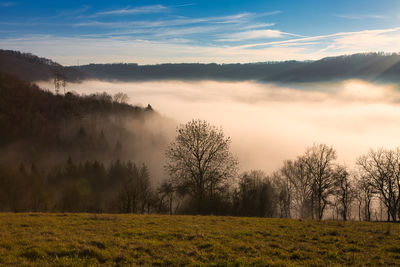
x=234, y=27
x=254, y=34
x=353, y=36
x=166, y=22
x=186, y=31
x=208, y=29
x=362, y=16
x=257, y=26
x=269, y=13
x=74, y=12
x=184, y=5
x=246, y=35
x=370, y=40
x=231, y=19
x=136, y=10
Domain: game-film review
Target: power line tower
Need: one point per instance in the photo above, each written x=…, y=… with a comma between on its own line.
x=63, y=83
x=57, y=82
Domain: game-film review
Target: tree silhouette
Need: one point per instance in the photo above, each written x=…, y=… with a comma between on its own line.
x=382, y=169
x=199, y=160
x=319, y=160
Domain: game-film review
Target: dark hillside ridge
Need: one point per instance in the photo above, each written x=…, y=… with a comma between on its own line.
x=29, y=67
x=379, y=67
x=189, y=71
x=369, y=66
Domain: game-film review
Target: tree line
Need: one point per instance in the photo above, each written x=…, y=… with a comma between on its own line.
x=203, y=178
x=77, y=187
x=203, y=170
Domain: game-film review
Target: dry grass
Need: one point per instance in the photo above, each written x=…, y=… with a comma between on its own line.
x=114, y=240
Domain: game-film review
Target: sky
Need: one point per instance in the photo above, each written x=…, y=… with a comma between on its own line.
x=150, y=32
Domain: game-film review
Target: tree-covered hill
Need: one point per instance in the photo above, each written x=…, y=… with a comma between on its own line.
x=35, y=122
x=188, y=71
x=369, y=66
x=74, y=153
x=33, y=68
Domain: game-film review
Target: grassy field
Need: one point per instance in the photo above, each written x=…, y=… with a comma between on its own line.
x=116, y=240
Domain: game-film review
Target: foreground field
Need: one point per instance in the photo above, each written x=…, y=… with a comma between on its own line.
x=114, y=240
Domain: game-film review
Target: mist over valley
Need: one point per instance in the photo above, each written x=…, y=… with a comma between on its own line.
x=269, y=123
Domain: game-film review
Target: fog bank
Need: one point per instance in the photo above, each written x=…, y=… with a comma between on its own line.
x=270, y=123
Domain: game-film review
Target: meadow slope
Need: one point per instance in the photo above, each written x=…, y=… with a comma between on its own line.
x=36, y=239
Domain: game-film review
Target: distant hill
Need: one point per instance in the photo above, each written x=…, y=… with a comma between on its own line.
x=33, y=68
x=369, y=66
x=189, y=71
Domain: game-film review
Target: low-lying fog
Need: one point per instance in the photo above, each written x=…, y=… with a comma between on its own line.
x=270, y=123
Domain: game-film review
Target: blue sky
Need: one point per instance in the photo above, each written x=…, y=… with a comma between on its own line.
x=149, y=32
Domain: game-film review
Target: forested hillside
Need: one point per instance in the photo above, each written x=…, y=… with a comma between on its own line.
x=66, y=122
x=33, y=68
x=70, y=152
x=369, y=66
x=188, y=71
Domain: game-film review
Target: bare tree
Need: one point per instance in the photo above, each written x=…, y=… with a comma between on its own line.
x=283, y=194
x=135, y=191
x=121, y=98
x=255, y=195
x=345, y=192
x=382, y=170
x=319, y=160
x=200, y=161
x=166, y=191
x=299, y=185
x=364, y=194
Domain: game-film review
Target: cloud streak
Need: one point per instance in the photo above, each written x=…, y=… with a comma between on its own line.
x=362, y=16
x=243, y=18
x=352, y=36
x=255, y=34
x=136, y=10
x=164, y=23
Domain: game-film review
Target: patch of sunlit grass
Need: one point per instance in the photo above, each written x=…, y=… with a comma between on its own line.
x=113, y=240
